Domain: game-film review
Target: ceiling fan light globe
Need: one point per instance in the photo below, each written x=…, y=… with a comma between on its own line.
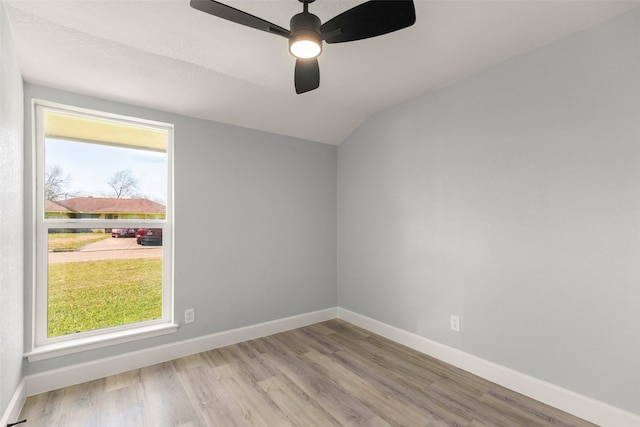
x=305, y=48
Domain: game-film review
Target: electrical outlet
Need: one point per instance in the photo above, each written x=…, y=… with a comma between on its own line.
x=454, y=322
x=189, y=315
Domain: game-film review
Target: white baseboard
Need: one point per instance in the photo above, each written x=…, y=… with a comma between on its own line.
x=76, y=374
x=15, y=405
x=566, y=400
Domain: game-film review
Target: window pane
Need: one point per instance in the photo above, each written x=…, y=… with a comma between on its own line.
x=101, y=181
x=96, y=281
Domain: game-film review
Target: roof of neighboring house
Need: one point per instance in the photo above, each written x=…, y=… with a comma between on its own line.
x=52, y=206
x=106, y=205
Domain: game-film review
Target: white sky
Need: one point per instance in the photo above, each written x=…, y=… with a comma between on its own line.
x=90, y=167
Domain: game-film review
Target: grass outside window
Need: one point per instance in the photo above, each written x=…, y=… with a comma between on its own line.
x=89, y=295
x=65, y=242
x=84, y=296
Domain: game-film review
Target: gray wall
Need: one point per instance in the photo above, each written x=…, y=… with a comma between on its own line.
x=512, y=199
x=11, y=217
x=255, y=225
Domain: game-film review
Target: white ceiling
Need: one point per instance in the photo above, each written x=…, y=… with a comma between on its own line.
x=163, y=54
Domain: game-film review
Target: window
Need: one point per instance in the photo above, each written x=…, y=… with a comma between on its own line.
x=103, y=229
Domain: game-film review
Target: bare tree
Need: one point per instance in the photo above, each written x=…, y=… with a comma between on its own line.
x=55, y=183
x=123, y=184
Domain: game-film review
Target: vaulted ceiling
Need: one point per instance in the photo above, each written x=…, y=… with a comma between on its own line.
x=163, y=54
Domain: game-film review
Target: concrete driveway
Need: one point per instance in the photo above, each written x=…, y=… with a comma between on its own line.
x=113, y=248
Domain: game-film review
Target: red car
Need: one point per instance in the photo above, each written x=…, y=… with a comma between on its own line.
x=149, y=236
x=123, y=232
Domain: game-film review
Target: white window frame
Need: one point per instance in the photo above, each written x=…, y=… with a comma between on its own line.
x=44, y=347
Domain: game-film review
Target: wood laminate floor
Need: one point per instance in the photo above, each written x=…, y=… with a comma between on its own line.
x=328, y=374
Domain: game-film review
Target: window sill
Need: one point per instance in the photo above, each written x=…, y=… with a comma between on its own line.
x=90, y=343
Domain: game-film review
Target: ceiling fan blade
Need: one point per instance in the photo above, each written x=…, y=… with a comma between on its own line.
x=370, y=19
x=234, y=15
x=307, y=75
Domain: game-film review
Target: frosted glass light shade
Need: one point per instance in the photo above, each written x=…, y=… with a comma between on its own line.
x=305, y=49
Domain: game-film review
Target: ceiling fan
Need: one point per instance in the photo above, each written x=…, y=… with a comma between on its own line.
x=370, y=19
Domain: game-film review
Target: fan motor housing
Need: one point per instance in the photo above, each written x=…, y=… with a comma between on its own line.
x=305, y=21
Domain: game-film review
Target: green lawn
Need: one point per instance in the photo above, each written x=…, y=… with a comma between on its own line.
x=63, y=242
x=84, y=296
